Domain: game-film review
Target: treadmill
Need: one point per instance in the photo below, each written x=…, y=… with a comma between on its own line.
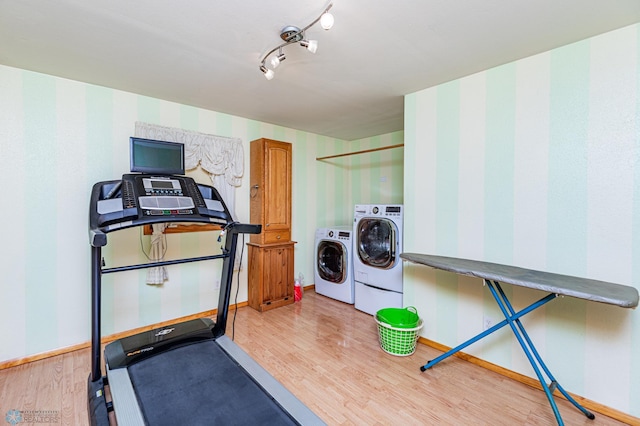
x=188, y=373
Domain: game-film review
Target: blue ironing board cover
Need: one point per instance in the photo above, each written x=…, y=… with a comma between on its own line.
x=583, y=288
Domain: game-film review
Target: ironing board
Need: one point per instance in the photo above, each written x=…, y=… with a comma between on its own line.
x=554, y=284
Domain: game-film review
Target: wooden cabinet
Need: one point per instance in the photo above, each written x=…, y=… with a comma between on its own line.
x=270, y=275
x=270, y=177
x=271, y=256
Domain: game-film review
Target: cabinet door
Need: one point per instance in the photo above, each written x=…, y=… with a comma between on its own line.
x=277, y=207
x=278, y=276
x=270, y=194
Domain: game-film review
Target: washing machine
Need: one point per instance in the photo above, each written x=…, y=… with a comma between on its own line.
x=377, y=267
x=333, y=271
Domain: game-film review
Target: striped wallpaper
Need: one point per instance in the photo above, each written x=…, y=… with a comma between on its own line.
x=534, y=163
x=59, y=137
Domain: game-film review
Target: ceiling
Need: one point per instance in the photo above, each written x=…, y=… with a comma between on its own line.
x=206, y=53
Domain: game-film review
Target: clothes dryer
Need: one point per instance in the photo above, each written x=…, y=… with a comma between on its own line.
x=377, y=237
x=333, y=271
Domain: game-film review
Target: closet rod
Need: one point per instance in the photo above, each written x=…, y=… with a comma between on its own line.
x=359, y=152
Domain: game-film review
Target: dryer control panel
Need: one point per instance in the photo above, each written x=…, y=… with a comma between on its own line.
x=390, y=210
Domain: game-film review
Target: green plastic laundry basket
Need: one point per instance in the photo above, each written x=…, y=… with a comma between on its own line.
x=399, y=317
x=398, y=341
x=398, y=330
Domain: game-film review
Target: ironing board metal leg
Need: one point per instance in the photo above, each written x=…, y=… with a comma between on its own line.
x=554, y=384
x=512, y=318
x=488, y=331
x=525, y=348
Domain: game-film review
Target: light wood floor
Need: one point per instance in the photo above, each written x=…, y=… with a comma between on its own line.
x=327, y=354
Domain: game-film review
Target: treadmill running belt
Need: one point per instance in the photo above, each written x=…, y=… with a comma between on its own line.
x=200, y=384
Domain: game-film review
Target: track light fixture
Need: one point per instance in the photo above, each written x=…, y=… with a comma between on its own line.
x=291, y=35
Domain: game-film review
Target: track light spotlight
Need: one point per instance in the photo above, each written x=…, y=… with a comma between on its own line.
x=275, y=61
x=326, y=20
x=311, y=45
x=292, y=34
x=268, y=74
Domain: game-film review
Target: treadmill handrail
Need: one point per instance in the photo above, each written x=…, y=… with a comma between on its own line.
x=161, y=263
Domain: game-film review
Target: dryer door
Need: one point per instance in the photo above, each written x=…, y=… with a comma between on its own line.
x=332, y=261
x=376, y=242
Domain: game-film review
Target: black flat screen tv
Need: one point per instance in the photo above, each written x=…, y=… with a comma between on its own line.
x=156, y=157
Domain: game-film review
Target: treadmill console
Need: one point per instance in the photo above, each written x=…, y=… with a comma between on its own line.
x=164, y=195
x=140, y=199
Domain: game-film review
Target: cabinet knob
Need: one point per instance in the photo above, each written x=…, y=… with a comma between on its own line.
x=278, y=237
x=267, y=224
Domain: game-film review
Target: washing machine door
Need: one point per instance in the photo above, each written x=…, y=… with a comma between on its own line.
x=332, y=261
x=376, y=242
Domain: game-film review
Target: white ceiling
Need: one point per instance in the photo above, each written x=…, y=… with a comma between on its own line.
x=206, y=53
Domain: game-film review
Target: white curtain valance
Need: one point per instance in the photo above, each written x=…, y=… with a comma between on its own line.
x=218, y=155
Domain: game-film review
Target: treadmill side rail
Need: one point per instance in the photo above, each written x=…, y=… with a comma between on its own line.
x=288, y=401
x=97, y=404
x=125, y=403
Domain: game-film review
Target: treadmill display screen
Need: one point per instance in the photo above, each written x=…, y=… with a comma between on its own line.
x=162, y=184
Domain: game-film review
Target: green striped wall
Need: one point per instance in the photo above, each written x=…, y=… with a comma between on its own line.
x=533, y=163
x=59, y=137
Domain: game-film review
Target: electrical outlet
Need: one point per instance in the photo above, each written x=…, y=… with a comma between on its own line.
x=216, y=286
x=487, y=322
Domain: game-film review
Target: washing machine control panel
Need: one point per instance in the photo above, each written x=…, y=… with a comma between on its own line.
x=339, y=235
x=393, y=210
x=344, y=235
